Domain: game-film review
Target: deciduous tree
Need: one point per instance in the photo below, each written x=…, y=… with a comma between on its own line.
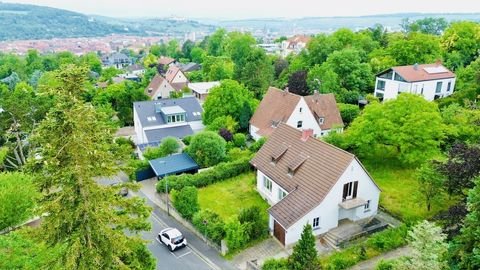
x=207, y=148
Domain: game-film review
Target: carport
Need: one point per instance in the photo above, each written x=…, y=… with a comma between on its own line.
x=173, y=164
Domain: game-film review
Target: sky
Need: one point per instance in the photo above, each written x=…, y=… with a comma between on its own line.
x=243, y=9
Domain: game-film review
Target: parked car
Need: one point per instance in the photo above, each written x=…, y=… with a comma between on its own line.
x=172, y=238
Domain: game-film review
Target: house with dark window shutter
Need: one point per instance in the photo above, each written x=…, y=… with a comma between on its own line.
x=306, y=180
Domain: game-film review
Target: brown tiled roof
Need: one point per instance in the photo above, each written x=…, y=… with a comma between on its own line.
x=322, y=166
x=299, y=38
x=171, y=73
x=164, y=60
x=276, y=105
x=178, y=86
x=324, y=105
x=412, y=74
x=154, y=85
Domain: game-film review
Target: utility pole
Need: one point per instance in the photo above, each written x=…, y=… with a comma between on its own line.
x=166, y=193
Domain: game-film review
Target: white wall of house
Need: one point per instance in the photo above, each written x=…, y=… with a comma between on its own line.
x=253, y=133
x=138, y=128
x=179, y=78
x=425, y=88
x=329, y=210
x=303, y=113
x=163, y=90
x=273, y=196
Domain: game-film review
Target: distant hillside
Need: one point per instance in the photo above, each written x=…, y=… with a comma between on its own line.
x=330, y=24
x=36, y=22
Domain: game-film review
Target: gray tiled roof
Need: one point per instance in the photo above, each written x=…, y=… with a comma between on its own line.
x=146, y=110
x=156, y=135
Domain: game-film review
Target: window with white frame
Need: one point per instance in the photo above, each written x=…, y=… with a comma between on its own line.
x=267, y=183
x=316, y=223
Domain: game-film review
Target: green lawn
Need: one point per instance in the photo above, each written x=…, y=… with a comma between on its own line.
x=400, y=194
x=227, y=198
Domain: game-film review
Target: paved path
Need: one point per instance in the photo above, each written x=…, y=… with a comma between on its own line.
x=372, y=263
x=269, y=248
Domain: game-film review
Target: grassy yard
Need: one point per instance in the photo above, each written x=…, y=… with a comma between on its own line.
x=400, y=191
x=228, y=197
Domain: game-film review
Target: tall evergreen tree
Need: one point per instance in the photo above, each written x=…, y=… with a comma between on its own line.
x=304, y=256
x=87, y=220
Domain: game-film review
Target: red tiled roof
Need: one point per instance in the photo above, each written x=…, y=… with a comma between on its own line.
x=416, y=73
x=164, y=60
x=171, y=73
x=324, y=105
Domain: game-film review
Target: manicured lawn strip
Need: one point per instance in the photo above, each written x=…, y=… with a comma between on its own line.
x=400, y=191
x=228, y=197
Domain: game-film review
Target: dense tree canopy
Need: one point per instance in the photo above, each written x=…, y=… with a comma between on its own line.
x=207, y=148
x=409, y=127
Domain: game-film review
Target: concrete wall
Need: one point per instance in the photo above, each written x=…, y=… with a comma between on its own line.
x=197, y=126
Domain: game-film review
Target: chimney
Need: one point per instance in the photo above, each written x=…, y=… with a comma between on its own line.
x=415, y=67
x=306, y=133
x=316, y=95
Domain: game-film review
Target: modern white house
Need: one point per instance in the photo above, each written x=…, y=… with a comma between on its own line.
x=306, y=180
x=318, y=112
x=201, y=89
x=157, y=119
x=432, y=81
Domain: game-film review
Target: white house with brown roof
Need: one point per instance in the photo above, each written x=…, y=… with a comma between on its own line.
x=306, y=180
x=159, y=88
x=432, y=81
x=176, y=78
x=318, y=112
x=294, y=45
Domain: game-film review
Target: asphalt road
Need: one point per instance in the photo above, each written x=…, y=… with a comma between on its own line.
x=197, y=255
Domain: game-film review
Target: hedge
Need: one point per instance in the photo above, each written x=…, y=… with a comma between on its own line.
x=220, y=172
x=376, y=244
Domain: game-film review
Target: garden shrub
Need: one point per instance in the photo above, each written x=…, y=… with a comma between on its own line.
x=186, y=140
x=255, y=226
x=168, y=146
x=348, y=112
x=225, y=134
x=385, y=265
x=275, y=264
x=221, y=172
x=211, y=224
x=257, y=145
x=135, y=165
x=240, y=140
x=377, y=243
x=186, y=201
x=236, y=234
x=237, y=153
x=207, y=148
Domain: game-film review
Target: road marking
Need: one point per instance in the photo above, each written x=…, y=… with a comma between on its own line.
x=178, y=257
x=157, y=218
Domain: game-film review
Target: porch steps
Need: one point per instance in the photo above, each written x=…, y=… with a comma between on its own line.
x=331, y=240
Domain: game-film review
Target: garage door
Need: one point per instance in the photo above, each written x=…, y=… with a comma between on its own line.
x=279, y=232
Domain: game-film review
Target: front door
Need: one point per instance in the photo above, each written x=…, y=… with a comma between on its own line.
x=279, y=232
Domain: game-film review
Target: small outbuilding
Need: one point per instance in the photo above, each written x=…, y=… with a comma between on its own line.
x=173, y=165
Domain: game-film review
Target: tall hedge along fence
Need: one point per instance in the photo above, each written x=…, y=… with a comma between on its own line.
x=218, y=173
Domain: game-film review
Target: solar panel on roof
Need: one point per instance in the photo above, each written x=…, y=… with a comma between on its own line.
x=435, y=70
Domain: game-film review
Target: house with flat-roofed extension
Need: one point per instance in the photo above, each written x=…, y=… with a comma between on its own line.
x=201, y=89
x=432, y=81
x=173, y=165
x=318, y=112
x=157, y=119
x=306, y=180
